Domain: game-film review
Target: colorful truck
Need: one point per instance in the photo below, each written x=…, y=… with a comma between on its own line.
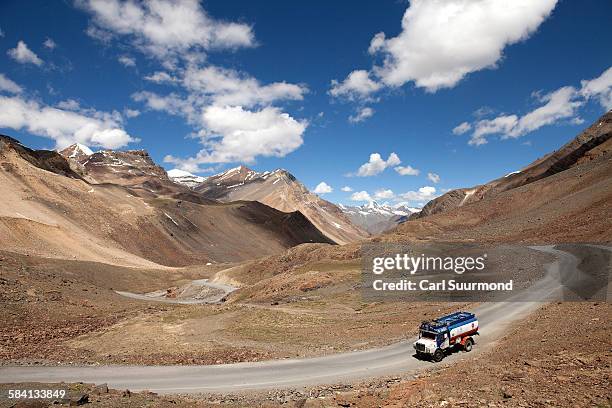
x=440, y=335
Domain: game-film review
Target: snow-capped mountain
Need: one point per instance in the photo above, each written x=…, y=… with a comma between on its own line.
x=376, y=218
x=281, y=190
x=76, y=151
x=185, y=178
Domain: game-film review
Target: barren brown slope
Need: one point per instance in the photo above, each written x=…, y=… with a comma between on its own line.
x=131, y=168
x=588, y=145
x=61, y=215
x=573, y=205
x=281, y=190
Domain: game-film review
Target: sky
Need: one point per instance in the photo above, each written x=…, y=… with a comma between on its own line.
x=392, y=101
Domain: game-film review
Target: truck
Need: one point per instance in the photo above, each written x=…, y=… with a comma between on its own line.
x=441, y=335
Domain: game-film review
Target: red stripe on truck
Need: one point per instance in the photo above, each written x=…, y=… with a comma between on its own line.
x=468, y=333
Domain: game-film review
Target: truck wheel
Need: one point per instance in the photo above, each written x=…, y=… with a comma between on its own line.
x=468, y=345
x=438, y=356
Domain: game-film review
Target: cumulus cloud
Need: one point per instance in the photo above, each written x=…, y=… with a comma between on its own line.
x=234, y=134
x=361, y=196
x=442, y=41
x=383, y=194
x=346, y=189
x=6, y=85
x=557, y=105
x=323, y=188
x=165, y=29
x=22, y=54
x=65, y=126
x=127, y=61
x=361, y=115
x=407, y=171
x=433, y=177
x=420, y=196
x=599, y=88
x=233, y=114
x=462, y=128
x=377, y=165
x=230, y=87
x=357, y=85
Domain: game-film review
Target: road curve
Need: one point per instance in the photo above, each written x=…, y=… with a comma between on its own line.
x=188, y=291
x=294, y=373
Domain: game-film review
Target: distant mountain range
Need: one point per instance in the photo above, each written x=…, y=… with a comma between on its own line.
x=376, y=218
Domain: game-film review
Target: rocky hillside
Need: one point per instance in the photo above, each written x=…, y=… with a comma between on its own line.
x=132, y=168
x=592, y=143
x=376, y=218
x=50, y=210
x=281, y=190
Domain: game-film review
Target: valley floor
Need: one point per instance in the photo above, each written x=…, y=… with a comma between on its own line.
x=542, y=361
x=50, y=317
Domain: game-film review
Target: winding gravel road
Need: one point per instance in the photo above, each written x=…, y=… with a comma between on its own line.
x=294, y=373
x=188, y=295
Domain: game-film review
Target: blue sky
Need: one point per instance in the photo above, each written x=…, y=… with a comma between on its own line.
x=251, y=82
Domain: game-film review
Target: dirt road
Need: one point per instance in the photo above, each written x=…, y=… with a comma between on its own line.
x=294, y=373
x=199, y=291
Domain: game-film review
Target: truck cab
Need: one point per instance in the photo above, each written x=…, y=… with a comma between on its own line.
x=440, y=335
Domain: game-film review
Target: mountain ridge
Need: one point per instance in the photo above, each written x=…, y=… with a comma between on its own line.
x=281, y=190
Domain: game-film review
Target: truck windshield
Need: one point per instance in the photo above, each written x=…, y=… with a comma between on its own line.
x=428, y=335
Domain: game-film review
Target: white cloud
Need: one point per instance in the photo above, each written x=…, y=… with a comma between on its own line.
x=131, y=113
x=233, y=134
x=560, y=104
x=69, y=104
x=323, y=188
x=172, y=103
x=165, y=29
x=6, y=85
x=87, y=126
x=357, y=85
x=599, y=88
x=127, y=61
x=421, y=196
x=49, y=43
x=499, y=125
x=383, y=194
x=24, y=55
x=377, y=42
x=161, y=77
x=232, y=113
x=230, y=87
x=361, y=196
x=361, y=115
x=442, y=41
x=433, y=177
x=462, y=128
x=407, y=171
x=346, y=189
x=377, y=165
